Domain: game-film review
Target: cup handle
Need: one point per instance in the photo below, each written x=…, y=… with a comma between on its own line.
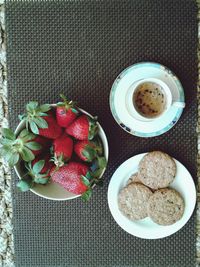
x=178, y=104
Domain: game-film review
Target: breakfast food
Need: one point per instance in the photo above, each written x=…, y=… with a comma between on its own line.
x=149, y=99
x=59, y=143
x=133, y=199
x=83, y=128
x=70, y=177
x=66, y=112
x=63, y=148
x=134, y=179
x=165, y=206
x=136, y=201
x=88, y=150
x=157, y=170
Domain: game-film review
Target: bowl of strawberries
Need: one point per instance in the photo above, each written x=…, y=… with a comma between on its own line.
x=58, y=151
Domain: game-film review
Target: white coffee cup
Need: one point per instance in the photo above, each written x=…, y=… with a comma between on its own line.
x=131, y=108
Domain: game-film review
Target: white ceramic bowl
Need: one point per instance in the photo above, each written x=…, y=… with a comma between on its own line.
x=52, y=190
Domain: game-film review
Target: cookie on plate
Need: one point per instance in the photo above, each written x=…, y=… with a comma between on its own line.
x=157, y=170
x=134, y=179
x=133, y=199
x=165, y=206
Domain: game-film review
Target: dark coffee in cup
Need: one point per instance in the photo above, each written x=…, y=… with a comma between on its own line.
x=149, y=99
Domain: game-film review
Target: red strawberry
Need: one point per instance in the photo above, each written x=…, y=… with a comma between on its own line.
x=83, y=128
x=41, y=120
x=70, y=177
x=63, y=148
x=66, y=112
x=87, y=150
x=53, y=131
x=44, y=142
x=39, y=169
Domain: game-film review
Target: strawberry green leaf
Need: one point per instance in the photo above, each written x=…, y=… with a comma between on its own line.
x=13, y=159
x=4, y=149
x=45, y=107
x=86, y=195
x=27, y=155
x=85, y=180
x=23, y=133
x=63, y=97
x=93, y=128
x=40, y=122
x=38, y=166
x=24, y=185
x=60, y=160
x=8, y=133
x=97, y=173
x=33, y=145
x=39, y=180
x=100, y=165
x=44, y=175
x=5, y=141
x=92, y=133
x=89, y=153
x=102, y=162
x=60, y=104
x=42, y=114
x=74, y=110
x=34, y=127
x=27, y=123
x=31, y=106
x=98, y=146
x=30, y=136
x=28, y=165
x=94, y=166
x=88, y=175
x=21, y=117
x=6, y=152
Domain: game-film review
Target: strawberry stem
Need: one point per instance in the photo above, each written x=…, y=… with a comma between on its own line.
x=86, y=195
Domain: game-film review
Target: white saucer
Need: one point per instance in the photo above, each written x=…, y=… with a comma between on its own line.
x=118, y=93
x=146, y=228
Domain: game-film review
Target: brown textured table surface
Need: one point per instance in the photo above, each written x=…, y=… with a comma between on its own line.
x=6, y=237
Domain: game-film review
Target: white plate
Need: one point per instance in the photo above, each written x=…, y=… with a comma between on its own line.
x=118, y=104
x=146, y=228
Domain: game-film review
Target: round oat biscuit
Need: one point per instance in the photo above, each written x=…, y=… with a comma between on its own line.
x=134, y=179
x=133, y=199
x=165, y=206
x=157, y=170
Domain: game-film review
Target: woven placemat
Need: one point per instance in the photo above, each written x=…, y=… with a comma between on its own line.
x=79, y=47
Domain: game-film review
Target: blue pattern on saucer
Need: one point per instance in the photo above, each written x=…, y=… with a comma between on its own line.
x=114, y=88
